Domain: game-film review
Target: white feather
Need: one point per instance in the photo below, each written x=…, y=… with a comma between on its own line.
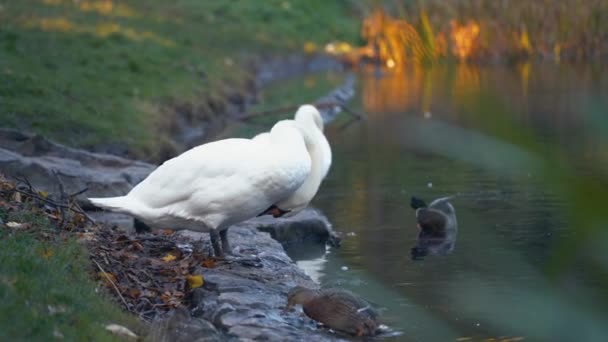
x=218, y=184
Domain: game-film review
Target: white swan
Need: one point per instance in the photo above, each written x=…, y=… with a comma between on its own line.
x=213, y=186
x=309, y=121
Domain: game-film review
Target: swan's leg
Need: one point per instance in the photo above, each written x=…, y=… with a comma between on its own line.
x=215, y=242
x=225, y=244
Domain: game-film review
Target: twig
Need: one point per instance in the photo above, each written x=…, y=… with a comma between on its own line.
x=53, y=203
x=79, y=192
x=24, y=180
x=63, y=199
x=111, y=282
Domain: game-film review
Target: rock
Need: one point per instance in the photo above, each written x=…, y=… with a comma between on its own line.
x=248, y=302
x=38, y=159
x=182, y=327
x=309, y=225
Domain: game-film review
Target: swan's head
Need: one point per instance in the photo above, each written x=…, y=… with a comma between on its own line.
x=309, y=114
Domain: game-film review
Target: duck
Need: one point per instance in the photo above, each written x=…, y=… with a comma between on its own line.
x=337, y=309
x=437, y=226
x=216, y=185
x=308, y=119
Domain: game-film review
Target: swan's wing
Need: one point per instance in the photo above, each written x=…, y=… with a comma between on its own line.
x=443, y=204
x=231, y=172
x=262, y=137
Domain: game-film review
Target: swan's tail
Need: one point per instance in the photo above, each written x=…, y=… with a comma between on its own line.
x=121, y=204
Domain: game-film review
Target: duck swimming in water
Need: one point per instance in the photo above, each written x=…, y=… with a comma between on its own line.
x=309, y=120
x=437, y=227
x=337, y=309
x=213, y=186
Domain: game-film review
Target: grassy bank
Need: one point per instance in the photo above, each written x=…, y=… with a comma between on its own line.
x=46, y=290
x=110, y=73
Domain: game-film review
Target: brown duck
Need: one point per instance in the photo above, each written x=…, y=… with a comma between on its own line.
x=337, y=309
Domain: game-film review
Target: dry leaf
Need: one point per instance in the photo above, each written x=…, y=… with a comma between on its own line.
x=85, y=237
x=46, y=253
x=195, y=281
x=169, y=257
x=208, y=263
x=16, y=225
x=121, y=331
x=107, y=277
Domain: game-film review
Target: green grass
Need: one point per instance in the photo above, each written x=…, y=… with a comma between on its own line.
x=89, y=76
x=45, y=287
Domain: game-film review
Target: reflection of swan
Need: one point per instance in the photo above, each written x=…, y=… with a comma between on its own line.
x=313, y=268
x=213, y=186
x=438, y=227
x=309, y=121
x=310, y=256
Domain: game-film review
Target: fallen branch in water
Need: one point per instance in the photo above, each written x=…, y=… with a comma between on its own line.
x=292, y=108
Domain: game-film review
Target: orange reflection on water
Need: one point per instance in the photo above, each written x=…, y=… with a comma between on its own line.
x=399, y=90
x=393, y=91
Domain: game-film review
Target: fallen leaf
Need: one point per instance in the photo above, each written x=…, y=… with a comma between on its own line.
x=46, y=253
x=137, y=246
x=85, y=237
x=169, y=257
x=208, y=263
x=195, y=281
x=133, y=293
x=167, y=232
x=16, y=225
x=59, y=309
x=119, y=330
x=107, y=277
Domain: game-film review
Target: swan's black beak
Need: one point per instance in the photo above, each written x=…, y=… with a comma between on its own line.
x=417, y=203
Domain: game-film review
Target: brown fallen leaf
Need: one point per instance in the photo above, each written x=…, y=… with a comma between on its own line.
x=167, y=232
x=169, y=257
x=46, y=253
x=133, y=293
x=195, y=281
x=208, y=263
x=106, y=277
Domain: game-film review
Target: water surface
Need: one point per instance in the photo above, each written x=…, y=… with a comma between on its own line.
x=525, y=151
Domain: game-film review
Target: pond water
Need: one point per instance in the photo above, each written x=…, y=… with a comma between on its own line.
x=523, y=149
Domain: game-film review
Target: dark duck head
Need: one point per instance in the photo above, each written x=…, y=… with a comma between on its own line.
x=437, y=224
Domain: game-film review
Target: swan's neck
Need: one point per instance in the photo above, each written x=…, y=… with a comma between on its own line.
x=320, y=155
